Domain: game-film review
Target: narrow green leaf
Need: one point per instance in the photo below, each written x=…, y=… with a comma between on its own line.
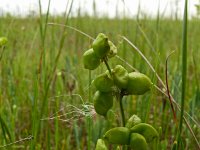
x=5, y=129
x=184, y=69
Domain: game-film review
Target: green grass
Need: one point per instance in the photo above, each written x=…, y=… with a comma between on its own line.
x=184, y=72
x=27, y=95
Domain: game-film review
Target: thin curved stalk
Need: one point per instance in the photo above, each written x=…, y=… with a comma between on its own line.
x=168, y=92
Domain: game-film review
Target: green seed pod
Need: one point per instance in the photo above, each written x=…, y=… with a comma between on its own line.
x=3, y=41
x=103, y=102
x=138, y=142
x=118, y=135
x=120, y=76
x=101, y=46
x=90, y=60
x=132, y=121
x=101, y=145
x=104, y=83
x=113, y=50
x=138, y=83
x=146, y=130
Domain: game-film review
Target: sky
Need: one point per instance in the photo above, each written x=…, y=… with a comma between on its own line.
x=103, y=7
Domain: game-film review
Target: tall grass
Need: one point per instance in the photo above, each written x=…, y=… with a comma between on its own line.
x=184, y=71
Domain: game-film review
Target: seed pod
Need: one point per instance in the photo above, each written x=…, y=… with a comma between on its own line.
x=103, y=101
x=138, y=142
x=120, y=76
x=132, y=121
x=138, y=83
x=101, y=46
x=113, y=50
x=3, y=41
x=118, y=135
x=146, y=130
x=101, y=145
x=104, y=83
x=90, y=60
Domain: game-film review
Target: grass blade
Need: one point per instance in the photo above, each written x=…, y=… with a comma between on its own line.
x=5, y=129
x=184, y=70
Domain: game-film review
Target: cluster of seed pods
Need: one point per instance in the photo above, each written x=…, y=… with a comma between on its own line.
x=135, y=134
x=107, y=84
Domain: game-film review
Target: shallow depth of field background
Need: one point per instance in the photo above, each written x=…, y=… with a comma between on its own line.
x=45, y=91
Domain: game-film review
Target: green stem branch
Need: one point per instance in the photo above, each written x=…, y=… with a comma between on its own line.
x=107, y=65
x=122, y=109
x=120, y=97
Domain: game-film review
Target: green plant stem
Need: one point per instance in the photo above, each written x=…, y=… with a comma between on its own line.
x=1, y=54
x=89, y=91
x=107, y=65
x=122, y=109
x=88, y=119
x=120, y=97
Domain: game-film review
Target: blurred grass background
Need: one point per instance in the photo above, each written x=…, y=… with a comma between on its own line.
x=33, y=93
